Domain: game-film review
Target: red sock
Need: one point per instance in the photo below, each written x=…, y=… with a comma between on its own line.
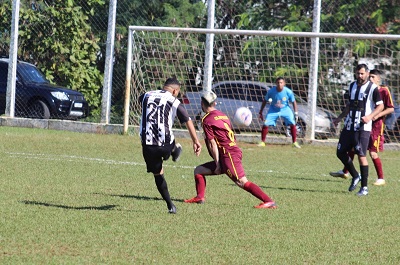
x=378, y=167
x=351, y=155
x=200, y=185
x=256, y=191
x=264, y=133
x=293, y=131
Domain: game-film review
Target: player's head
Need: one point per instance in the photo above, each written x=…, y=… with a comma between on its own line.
x=375, y=76
x=208, y=99
x=172, y=85
x=280, y=83
x=362, y=73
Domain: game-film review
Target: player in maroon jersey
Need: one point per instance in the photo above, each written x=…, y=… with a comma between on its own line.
x=376, y=139
x=227, y=156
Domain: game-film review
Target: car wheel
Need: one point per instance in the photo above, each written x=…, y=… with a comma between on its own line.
x=301, y=129
x=39, y=110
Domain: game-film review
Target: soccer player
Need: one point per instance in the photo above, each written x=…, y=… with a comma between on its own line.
x=159, y=108
x=376, y=139
x=364, y=104
x=227, y=156
x=279, y=97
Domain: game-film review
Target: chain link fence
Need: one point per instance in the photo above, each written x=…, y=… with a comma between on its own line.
x=66, y=40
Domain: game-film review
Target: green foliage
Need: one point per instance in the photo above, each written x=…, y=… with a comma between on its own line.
x=57, y=37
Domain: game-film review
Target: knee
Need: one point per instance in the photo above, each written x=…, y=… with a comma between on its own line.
x=373, y=155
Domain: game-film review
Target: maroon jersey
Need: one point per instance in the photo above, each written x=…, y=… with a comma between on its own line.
x=386, y=97
x=217, y=126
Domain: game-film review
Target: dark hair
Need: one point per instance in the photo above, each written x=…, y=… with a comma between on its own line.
x=375, y=72
x=279, y=78
x=361, y=66
x=206, y=103
x=172, y=81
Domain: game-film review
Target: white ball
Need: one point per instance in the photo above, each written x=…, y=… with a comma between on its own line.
x=242, y=117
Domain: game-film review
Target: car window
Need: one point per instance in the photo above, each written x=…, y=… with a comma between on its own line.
x=31, y=74
x=256, y=93
x=230, y=91
x=3, y=72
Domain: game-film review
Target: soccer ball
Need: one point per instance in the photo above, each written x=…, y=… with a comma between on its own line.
x=242, y=117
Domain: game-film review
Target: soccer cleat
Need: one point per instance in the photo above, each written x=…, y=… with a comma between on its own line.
x=195, y=200
x=354, y=182
x=261, y=144
x=379, y=182
x=176, y=153
x=266, y=205
x=172, y=210
x=340, y=174
x=363, y=191
x=296, y=144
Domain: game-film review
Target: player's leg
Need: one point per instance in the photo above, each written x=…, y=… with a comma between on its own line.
x=375, y=146
x=200, y=181
x=344, y=173
x=153, y=156
x=363, y=140
x=270, y=120
x=288, y=117
x=232, y=166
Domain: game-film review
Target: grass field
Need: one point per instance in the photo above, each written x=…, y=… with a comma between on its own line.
x=71, y=198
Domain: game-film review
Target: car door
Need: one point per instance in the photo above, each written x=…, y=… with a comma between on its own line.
x=3, y=86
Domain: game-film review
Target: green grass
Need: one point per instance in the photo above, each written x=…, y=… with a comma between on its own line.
x=71, y=198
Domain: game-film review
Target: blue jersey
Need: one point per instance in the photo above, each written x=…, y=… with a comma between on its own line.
x=280, y=100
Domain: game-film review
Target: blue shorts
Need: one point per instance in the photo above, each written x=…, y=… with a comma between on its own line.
x=285, y=113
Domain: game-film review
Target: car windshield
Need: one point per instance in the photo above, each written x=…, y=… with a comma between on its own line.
x=31, y=74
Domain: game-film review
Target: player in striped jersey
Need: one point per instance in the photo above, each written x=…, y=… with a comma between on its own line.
x=376, y=139
x=159, y=109
x=364, y=104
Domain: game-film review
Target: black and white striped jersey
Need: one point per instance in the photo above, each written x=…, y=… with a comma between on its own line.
x=159, y=109
x=362, y=100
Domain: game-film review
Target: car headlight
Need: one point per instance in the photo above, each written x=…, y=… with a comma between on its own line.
x=59, y=95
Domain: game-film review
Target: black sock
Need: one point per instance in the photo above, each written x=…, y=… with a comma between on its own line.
x=364, y=176
x=162, y=187
x=348, y=163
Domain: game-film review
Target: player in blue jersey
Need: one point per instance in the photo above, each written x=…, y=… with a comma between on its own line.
x=159, y=108
x=279, y=97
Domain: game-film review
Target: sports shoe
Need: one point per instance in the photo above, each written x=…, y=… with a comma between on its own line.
x=363, y=191
x=176, y=153
x=266, y=205
x=296, y=144
x=261, y=144
x=172, y=210
x=340, y=174
x=354, y=182
x=195, y=200
x=379, y=182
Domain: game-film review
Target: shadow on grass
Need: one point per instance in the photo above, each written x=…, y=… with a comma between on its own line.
x=137, y=197
x=96, y=208
x=303, y=190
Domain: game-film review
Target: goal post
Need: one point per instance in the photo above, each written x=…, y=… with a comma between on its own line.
x=156, y=53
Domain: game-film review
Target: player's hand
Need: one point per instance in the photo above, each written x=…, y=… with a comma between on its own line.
x=296, y=116
x=197, y=148
x=336, y=121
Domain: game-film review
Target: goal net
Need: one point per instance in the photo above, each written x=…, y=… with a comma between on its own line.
x=246, y=64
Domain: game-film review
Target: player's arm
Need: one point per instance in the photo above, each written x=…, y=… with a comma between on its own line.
x=296, y=112
x=388, y=106
x=342, y=115
x=379, y=107
x=183, y=117
x=260, y=113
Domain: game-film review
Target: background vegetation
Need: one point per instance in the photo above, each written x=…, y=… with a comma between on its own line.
x=66, y=39
x=72, y=198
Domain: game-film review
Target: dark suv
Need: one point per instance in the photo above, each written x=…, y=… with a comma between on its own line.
x=36, y=98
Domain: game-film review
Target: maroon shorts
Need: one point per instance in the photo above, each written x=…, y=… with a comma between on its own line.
x=231, y=165
x=376, y=140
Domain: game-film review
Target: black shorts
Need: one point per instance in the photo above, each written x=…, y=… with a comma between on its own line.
x=154, y=155
x=358, y=141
